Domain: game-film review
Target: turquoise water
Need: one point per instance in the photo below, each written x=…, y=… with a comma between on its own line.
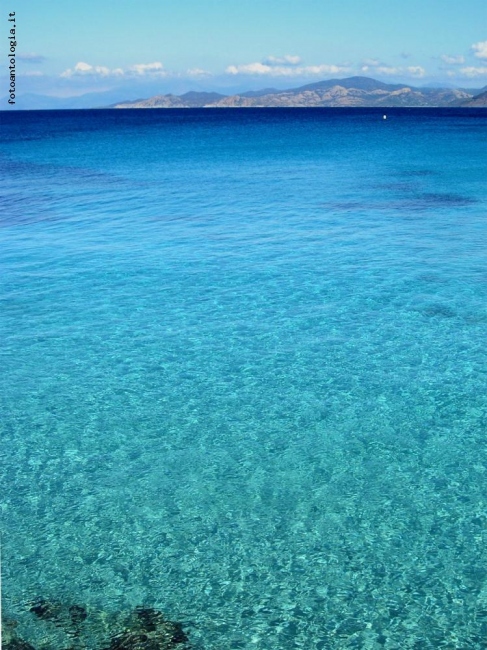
x=244, y=374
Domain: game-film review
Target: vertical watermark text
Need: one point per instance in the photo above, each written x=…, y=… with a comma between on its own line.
x=12, y=40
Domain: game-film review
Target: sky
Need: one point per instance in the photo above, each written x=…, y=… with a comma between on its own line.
x=137, y=48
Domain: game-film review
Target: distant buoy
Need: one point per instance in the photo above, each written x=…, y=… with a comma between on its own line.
x=384, y=117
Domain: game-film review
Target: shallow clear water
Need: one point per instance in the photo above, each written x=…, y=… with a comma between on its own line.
x=244, y=373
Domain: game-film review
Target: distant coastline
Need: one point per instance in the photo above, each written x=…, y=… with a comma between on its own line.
x=352, y=92
x=360, y=92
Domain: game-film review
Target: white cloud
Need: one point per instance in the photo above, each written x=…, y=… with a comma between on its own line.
x=147, y=68
x=33, y=73
x=471, y=71
x=82, y=68
x=197, y=72
x=452, y=60
x=30, y=57
x=377, y=68
x=137, y=70
x=250, y=68
x=387, y=70
x=325, y=69
x=274, y=70
x=416, y=71
x=480, y=49
x=288, y=59
x=371, y=62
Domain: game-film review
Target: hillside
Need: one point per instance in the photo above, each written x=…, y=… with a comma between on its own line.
x=478, y=101
x=354, y=91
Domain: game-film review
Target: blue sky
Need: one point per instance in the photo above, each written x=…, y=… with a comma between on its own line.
x=149, y=46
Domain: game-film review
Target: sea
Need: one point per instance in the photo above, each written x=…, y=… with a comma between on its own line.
x=244, y=379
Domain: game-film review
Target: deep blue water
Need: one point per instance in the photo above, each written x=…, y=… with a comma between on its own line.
x=244, y=374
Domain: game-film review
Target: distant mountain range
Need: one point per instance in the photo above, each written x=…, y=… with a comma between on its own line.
x=353, y=91
x=478, y=101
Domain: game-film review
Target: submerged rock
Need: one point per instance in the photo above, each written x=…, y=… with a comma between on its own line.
x=77, y=614
x=46, y=610
x=148, y=629
x=17, y=644
x=10, y=640
x=67, y=626
x=68, y=618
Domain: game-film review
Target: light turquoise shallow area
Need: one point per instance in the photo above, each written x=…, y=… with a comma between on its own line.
x=244, y=373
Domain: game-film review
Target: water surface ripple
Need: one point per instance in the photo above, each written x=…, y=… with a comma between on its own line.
x=244, y=373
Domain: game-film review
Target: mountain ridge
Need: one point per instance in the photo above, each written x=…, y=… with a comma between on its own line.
x=348, y=92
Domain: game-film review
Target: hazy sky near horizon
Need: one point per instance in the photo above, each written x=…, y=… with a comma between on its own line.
x=70, y=48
